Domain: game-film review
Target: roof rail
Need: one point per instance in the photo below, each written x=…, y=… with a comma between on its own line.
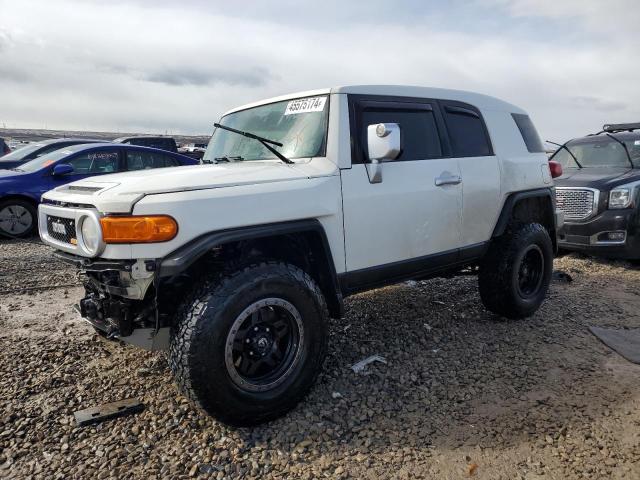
x=620, y=127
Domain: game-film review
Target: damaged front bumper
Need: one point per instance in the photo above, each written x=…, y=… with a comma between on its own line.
x=120, y=299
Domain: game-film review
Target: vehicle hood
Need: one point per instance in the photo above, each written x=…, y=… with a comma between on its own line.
x=599, y=178
x=119, y=192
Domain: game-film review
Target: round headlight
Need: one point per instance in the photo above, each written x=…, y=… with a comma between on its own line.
x=90, y=231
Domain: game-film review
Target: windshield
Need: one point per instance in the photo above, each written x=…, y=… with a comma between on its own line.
x=300, y=125
x=44, y=161
x=21, y=152
x=599, y=151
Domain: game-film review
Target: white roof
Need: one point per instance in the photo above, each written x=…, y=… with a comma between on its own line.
x=483, y=102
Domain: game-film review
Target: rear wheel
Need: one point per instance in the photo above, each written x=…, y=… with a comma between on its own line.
x=18, y=218
x=248, y=346
x=516, y=271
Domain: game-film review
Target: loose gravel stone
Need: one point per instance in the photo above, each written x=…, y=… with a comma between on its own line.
x=462, y=388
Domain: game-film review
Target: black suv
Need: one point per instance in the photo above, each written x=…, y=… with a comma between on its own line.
x=163, y=143
x=599, y=192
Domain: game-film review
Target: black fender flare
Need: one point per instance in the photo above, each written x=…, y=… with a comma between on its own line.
x=514, y=198
x=182, y=258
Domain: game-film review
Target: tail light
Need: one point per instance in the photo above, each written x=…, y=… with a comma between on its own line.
x=555, y=168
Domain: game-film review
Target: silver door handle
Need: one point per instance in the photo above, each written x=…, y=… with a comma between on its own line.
x=449, y=180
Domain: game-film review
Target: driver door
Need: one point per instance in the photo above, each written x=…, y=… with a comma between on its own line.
x=410, y=222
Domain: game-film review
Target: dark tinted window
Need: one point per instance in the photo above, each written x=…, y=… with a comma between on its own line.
x=94, y=162
x=139, y=160
x=466, y=132
x=161, y=143
x=529, y=132
x=418, y=131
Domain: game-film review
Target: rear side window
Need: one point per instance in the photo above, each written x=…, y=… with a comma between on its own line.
x=161, y=143
x=467, y=132
x=139, y=160
x=418, y=129
x=529, y=132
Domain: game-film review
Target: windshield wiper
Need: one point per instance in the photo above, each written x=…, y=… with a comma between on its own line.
x=624, y=146
x=228, y=159
x=264, y=141
x=564, y=146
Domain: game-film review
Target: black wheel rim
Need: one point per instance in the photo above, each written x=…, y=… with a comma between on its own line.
x=263, y=344
x=531, y=272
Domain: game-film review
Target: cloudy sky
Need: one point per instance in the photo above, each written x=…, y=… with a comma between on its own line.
x=161, y=65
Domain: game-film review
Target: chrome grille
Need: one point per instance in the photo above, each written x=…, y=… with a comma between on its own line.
x=62, y=229
x=577, y=203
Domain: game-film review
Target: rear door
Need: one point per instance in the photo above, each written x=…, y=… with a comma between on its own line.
x=480, y=172
x=404, y=222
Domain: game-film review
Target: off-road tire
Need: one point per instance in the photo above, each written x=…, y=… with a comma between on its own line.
x=32, y=211
x=197, y=351
x=500, y=269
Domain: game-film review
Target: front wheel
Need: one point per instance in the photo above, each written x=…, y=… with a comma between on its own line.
x=516, y=271
x=247, y=347
x=18, y=218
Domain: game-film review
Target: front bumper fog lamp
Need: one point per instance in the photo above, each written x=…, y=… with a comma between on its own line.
x=616, y=237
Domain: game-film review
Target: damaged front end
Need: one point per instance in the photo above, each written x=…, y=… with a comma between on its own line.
x=121, y=300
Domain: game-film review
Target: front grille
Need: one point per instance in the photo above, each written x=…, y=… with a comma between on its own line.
x=62, y=229
x=576, y=203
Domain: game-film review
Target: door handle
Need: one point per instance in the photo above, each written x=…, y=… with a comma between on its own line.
x=448, y=180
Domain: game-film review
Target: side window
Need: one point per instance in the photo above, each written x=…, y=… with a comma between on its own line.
x=467, y=132
x=170, y=161
x=141, y=160
x=529, y=132
x=418, y=130
x=94, y=162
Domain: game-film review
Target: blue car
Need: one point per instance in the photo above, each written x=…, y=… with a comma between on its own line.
x=22, y=187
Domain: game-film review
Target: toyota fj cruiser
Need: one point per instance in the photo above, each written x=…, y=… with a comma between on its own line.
x=236, y=266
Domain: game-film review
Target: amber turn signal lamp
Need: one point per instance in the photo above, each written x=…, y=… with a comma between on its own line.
x=138, y=229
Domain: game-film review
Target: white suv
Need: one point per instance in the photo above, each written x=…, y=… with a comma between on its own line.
x=236, y=266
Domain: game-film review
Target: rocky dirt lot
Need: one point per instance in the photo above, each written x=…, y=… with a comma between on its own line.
x=464, y=393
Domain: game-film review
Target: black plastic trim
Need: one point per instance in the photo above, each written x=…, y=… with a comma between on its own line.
x=92, y=265
x=462, y=111
x=179, y=260
x=414, y=268
x=510, y=202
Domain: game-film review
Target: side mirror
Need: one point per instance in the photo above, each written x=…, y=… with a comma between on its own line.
x=62, y=169
x=383, y=144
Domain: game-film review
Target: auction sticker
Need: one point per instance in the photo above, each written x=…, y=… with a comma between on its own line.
x=305, y=105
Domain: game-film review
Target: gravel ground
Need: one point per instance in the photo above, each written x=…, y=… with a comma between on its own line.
x=463, y=393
